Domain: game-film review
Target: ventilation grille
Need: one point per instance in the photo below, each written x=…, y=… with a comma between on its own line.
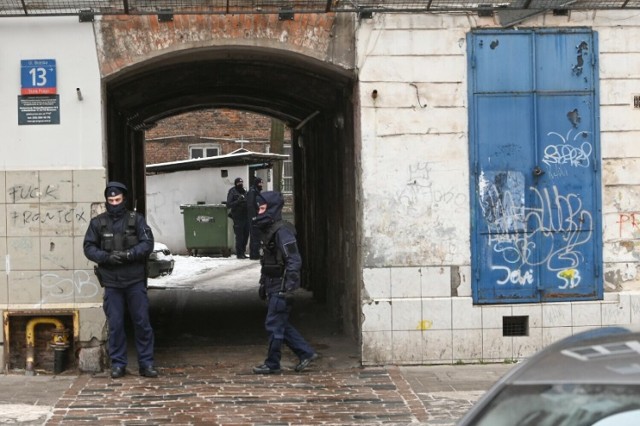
x=515, y=326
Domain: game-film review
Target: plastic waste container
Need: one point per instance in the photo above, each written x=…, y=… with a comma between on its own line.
x=207, y=229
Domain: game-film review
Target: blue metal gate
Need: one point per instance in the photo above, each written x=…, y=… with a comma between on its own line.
x=534, y=144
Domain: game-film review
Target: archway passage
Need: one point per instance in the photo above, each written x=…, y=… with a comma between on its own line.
x=310, y=96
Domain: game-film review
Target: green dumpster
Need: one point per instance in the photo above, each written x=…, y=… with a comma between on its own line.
x=207, y=229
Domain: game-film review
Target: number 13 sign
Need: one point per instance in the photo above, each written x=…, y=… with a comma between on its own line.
x=38, y=76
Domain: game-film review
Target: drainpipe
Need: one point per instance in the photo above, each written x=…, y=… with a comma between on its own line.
x=59, y=342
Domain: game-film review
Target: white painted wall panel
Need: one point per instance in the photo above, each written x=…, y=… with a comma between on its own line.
x=416, y=43
x=75, y=143
x=619, y=65
x=413, y=95
x=166, y=192
x=619, y=39
x=394, y=122
x=619, y=92
x=419, y=213
x=620, y=144
x=621, y=171
x=619, y=117
x=436, y=69
x=621, y=199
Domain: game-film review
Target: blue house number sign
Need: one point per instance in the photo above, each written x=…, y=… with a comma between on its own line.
x=38, y=76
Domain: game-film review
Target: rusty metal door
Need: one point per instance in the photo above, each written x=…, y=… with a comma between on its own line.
x=535, y=166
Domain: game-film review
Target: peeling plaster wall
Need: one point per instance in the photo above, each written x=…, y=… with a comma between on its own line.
x=416, y=305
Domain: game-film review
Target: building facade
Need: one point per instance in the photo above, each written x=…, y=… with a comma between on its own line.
x=481, y=197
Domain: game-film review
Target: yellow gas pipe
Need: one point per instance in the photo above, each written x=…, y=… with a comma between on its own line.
x=59, y=339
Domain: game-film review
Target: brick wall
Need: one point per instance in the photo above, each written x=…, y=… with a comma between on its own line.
x=171, y=138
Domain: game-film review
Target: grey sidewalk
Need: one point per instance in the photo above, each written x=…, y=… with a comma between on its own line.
x=226, y=393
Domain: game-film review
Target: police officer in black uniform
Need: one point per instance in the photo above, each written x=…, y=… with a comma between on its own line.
x=237, y=202
x=252, y=211
x=120, y=241
x=279, y=278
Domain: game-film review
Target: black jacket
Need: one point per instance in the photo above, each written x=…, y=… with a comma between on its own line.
x=130, y=272
x=252, y=207
x=237, y=202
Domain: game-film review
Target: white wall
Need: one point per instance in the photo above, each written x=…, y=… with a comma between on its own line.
x=76, y=143
x=167, y=191
x=52, y=176
x=417, y=305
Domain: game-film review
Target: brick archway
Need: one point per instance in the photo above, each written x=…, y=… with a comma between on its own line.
x=286, y=70
x=124, y=41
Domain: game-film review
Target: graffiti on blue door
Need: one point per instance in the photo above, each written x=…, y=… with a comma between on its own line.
x=534, y=154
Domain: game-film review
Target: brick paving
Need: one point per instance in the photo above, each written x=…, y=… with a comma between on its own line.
x=208, y=385
x=213, y=386
x=199, y=395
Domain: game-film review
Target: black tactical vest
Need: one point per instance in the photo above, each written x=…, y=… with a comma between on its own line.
x=120, y=241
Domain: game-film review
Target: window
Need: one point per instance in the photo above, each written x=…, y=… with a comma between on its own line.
x=287, y=171
x=202, y=151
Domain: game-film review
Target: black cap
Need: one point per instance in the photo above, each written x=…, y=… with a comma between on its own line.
x=115, y=188
x=237, y=181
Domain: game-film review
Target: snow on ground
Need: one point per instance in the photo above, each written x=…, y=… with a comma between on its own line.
x=203, y=273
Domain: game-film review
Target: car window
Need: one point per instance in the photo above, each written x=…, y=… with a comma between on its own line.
x=628, y=418
x=562, y=405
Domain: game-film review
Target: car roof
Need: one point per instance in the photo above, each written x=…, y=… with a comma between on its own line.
x=603, y=355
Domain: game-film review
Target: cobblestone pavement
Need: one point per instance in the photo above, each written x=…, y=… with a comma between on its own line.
x=225, y=392
x=207, y=339
x=217, y=388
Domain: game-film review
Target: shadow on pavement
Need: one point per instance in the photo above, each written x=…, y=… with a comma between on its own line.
x=225, y=326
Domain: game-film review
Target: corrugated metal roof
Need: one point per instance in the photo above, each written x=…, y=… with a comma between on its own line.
x=203, y=7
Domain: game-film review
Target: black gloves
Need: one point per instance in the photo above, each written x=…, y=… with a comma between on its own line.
x=118, y=257
x=115, y=258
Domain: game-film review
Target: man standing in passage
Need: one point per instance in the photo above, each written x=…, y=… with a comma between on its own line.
x=252, y=211
x=120, y=241
x=279, y=278
x=237, y=202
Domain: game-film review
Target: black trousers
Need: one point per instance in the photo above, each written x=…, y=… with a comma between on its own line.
x=241, y=231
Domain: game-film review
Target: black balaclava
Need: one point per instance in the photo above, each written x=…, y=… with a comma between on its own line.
x=113, y=189
x=258, y=184
x=274, y=201
x=239, y=184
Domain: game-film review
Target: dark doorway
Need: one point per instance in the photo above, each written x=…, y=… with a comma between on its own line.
x=312, y=98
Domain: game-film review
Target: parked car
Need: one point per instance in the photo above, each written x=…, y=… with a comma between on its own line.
x=160, y=261
x=591, y=378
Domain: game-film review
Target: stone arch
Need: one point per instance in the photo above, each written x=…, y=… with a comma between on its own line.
x=150, y=73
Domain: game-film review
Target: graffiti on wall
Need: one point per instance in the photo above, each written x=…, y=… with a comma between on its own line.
x=80, y=285
x=419, y=193
x=26, y=192
x=424, y=196
x=548, y=233
x=628, y=223
x=34, y=211
x=566, y=153
x=539, y=228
